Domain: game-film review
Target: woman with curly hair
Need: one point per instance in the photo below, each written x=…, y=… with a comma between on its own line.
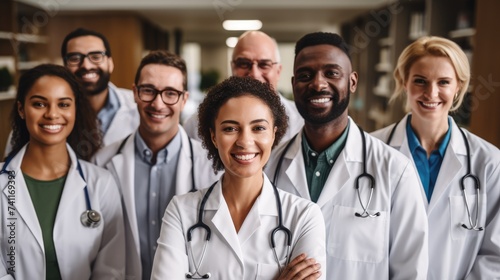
x=243, y=217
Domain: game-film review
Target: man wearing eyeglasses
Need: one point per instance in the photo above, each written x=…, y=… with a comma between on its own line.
x=158, y=160
x=87, y=55
x=256, y=55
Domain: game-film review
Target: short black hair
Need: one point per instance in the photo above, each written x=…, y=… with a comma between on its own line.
x=79, y=32
x=166, y=58
x=233, y=87
x=322, y=38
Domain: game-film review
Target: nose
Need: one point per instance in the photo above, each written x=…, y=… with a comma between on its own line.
x=51, y=113
x=244, y=138
x=157, y=102
x=86, y=63
x=255, y=72
x=319, y=83
x=432, y=90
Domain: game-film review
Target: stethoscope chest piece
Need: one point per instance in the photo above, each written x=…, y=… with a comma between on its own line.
x=90, y=218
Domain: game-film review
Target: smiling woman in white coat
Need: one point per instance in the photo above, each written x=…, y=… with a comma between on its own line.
x=459, y=171
x=242, y=221
x=61, y=216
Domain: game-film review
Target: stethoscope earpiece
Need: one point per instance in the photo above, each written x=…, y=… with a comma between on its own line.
x=90, y=218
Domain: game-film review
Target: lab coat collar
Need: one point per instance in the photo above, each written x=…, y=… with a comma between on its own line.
x=339, y=175
x=451, y=166
x=73, y=187
x=184, y=181
x=297, y=166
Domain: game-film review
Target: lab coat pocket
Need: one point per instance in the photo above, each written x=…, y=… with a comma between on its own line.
x=266, y=271
x=459, y=216
x=357, y=239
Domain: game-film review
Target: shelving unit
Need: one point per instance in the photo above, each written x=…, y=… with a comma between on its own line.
x=386, y=32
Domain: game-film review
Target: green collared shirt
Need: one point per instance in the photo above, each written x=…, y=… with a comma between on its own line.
x=319, y=165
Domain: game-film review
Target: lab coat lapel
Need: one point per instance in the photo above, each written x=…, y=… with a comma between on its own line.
x=296, y=172
x=223, y=222
x=73, y=190
x=450, y=167
x=340, y=175
x=184, y=181
x=123, y=167
x=23, y=204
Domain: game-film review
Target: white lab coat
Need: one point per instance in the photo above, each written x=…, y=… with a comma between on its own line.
x=122, y=167
x=391, y=246
x=454, y=252
x=82, y=252
x=125, y=121
x=295, y=121
x=242, y=255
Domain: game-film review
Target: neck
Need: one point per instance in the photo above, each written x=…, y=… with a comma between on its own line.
x=240, y=195
x=156, y=142
x=46, y=162
x=320, y=137
x=98, y=101
x=429, y=133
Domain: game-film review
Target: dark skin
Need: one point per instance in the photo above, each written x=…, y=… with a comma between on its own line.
x=320, y=72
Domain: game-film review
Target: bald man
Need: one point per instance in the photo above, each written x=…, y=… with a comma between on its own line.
x=256, y=55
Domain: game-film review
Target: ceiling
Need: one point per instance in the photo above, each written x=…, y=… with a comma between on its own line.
x=201, y=20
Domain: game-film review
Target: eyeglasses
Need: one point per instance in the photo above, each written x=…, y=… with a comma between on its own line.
x=169, y=96
x=76, y=58
x=265, y=65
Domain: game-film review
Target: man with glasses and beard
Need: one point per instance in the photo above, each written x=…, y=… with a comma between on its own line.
x=87, y=55
x=256, y=55
x=368, y=192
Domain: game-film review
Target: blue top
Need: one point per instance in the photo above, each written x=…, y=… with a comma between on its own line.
x=428, y=168
x=108, y=112
x=154, y=188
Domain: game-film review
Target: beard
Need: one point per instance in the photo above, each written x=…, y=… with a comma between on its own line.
x=90, y=87
x=339, y=107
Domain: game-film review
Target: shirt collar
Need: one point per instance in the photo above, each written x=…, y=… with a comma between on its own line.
x=164, y=155
x=414, y=143
x=331, y=153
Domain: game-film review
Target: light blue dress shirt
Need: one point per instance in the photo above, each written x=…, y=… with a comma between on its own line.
x=154, y=188
x=428, y=168
x=108, y=112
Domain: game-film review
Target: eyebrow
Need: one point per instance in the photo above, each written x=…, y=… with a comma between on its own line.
x=252, y=122
x=326, y=66
x=44, y=98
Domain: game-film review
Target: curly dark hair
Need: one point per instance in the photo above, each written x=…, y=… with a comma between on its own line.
x=85, y=138
x=233, y=87
x=322, y=38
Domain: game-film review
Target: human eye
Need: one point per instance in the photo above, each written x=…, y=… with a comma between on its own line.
x=265, y=64
x=147, y=91
x=38, y=104
x=74, y=57
x=229, y=129
x=65, y=104
x=419, y=81
x=332, y=73
x=444, y=82
x=303, y=76
x=243, y=63
x=171, y=93
x=260, y=128
x=95, y=56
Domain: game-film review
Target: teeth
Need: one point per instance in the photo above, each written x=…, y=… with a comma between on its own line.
x=320, y=100
x=158, y=116
x=89, y=75
x=245, y=157
x=52, y=127
x=435, y=104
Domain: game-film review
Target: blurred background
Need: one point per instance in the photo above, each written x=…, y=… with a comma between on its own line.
x=31, y=32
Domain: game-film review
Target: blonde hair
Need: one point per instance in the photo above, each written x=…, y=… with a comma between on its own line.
x=432, y=46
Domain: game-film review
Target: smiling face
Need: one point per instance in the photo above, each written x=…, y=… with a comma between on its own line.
x=156, y=118
x=244, y=135
x=322, y=83
x=431, y=86
x=49, y=111
x=93, y=77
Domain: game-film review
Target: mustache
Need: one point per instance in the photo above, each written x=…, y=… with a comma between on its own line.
x=80, y=72
x=313, y=93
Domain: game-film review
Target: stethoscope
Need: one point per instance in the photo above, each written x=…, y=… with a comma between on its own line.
x=200, y=224
x=473, y=226
x=193, y=188
x=364, y=174
x=90, y=218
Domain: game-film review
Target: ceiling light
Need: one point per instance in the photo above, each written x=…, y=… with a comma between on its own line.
x=231, y=42
x=242, y=24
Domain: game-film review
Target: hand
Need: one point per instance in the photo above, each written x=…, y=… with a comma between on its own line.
x=301, y=268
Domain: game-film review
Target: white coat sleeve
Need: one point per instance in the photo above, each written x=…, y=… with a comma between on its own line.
x=312, y=237
x=408, y=256
x=487, y=263
x=171, y=259
x=110, y=260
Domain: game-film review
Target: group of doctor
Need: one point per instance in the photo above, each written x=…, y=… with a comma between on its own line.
x=305, y=192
